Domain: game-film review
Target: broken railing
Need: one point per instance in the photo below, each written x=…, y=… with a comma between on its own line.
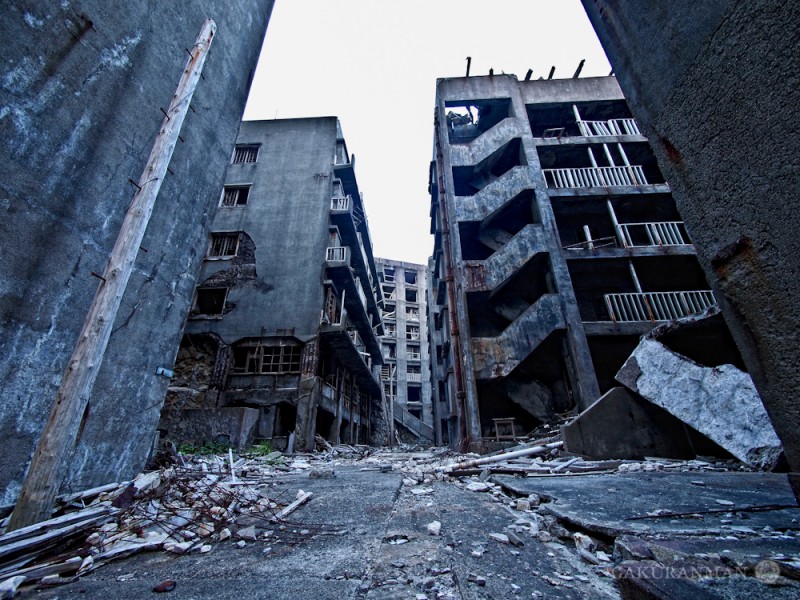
x=582, y=177
x=657, y=306
x=664, y=233
x=414, y=377
x=340, y=203
x=610, y=127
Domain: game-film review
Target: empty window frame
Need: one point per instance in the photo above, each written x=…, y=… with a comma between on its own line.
x=414, y=370
x=235, y=195
x=410, y=277
x=271, y=360
x=209, y=301
x=388, y=274
x=245, y=153
x=411, y=295
x=412, y=352
x=412, y=314
x=412, y=332
x=223, y=245
x=390, y=351
x=390, y=330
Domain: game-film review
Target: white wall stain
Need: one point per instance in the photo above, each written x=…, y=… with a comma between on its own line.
x=32, y=21
x=115, y=57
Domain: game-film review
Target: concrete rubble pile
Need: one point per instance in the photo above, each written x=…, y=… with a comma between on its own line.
x=593, y=520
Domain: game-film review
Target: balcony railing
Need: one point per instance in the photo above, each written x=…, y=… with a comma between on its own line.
x=583, y=177
x=664, y=233
x=414, y=377
x=336, y=253
x=610, y=127
x=413, y=356
x=657, y=306
x=340, y=203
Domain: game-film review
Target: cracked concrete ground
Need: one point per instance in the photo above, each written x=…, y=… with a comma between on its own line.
x=374, y=544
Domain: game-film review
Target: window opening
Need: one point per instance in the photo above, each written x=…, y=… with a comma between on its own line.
x=223, y=245
x=210, y=301
x=245, y=153
x=235, y=195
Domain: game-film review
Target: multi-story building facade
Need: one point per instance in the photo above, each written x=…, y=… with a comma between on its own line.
x=557, y=245
x=405, y=374
x=283, y=335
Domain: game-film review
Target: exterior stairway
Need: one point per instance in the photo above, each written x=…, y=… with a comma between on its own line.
x=499, y=356
x=411, y=423
x=511, y=254
x=487, y=143
x=494, y=195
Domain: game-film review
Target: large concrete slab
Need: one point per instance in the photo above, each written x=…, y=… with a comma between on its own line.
x=623, y=425
x=612, y=504
x=719, y=402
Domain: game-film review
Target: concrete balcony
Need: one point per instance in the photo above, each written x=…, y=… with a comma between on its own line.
x=356, y=303
x=351, y=351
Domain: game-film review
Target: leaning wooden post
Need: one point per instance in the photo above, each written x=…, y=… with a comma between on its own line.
x=48, y=465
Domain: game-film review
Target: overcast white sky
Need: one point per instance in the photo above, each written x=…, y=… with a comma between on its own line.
x=374, y=64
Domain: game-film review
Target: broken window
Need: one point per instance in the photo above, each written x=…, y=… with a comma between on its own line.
x=274, y=360
x=412, y=352
x=412, y=314
x=410, y=277
x=223, y=245
x=245, y=153
x=390, y=330
x=388, y=292
x=388, y=274
x=414, y=373
x=412, y=332
x=411, y=295
x=209, y=301
x=389, y=312
x=390, y=351
x=235, y=195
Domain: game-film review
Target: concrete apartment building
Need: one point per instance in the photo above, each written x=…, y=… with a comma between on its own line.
x=715, y=94
x=557, y=245
x=82, y=91
x=405, y=374
x=283, y=335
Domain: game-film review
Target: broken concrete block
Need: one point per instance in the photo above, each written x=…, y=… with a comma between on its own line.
x=434, y=528
x=621, y=424
x=719, y=402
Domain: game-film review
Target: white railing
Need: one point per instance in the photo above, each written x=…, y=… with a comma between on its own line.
x=594, y=177
x=414, y=377
x=610, y=127
x=414, y=356
x=663, y=233
x=657, y=306
x=389, y=315
x=336, y=253
x=340, y=203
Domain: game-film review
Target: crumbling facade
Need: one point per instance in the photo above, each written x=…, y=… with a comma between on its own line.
x=557, y=245
x=82, y=89
x=282, y=339
x=405, y=375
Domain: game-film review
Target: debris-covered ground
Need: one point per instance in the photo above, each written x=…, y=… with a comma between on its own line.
x=359, y=522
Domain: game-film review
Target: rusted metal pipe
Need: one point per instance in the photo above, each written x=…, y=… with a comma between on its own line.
x=468, y=464
x=461, y=396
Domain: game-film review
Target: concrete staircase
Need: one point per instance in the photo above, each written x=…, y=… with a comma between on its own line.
x=499, y=356
x=483, y=146
x=494, y=196
x=412, y=424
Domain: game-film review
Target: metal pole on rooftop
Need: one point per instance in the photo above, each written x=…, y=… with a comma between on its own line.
x=48, y=465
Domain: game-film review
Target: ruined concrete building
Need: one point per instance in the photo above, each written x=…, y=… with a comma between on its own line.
x=82, y=88
x=283, y=334
x=405, y=374
x=557, y=245
x=715, y=94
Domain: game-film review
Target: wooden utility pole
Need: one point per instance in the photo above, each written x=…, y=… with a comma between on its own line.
x=48, y=466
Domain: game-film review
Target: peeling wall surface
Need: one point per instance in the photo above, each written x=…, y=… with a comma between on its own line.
x=716, y=86
x=81, y=84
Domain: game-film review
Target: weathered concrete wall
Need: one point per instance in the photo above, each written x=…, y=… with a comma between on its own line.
x=715, y=86
x=286, y=216
x=234, y=425
x=81, y=84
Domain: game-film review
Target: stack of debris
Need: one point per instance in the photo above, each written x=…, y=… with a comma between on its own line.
x=676, y=407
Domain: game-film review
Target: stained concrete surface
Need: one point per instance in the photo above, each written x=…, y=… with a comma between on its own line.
x=605, y=503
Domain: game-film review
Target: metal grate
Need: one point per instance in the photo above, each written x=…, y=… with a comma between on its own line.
x=595, y=177
x=657, y=306
x=223, y=245
x=245, y=154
